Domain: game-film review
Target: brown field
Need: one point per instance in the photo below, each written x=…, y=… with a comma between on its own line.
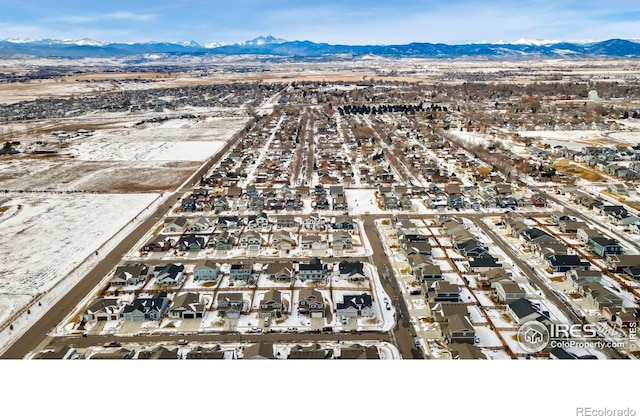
x=567, y=167
x=61, y=173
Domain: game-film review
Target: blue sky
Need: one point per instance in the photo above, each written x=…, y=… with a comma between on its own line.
x=331, y=21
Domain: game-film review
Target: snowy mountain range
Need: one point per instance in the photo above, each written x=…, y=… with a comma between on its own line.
x=271, y=46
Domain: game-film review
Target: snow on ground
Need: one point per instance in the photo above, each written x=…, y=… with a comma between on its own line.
x=96, y=150
x=362, y=201
x=54, y=235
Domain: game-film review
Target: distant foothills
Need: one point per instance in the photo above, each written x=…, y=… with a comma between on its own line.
x=271, y=46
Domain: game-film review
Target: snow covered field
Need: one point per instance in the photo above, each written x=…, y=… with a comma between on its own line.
x=50, y=235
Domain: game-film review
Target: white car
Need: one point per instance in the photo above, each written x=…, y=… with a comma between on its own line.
x=255, y=330
x=291, y=330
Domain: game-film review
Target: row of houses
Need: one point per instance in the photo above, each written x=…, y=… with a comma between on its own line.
x=230, y=305
x=315, y=270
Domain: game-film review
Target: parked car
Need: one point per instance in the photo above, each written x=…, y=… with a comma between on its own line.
x=291, y=330
x=327, y=329
x=255, y=330
x=182, y=342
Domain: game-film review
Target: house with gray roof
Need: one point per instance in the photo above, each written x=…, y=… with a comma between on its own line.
x=354, y=306
x=229, y=304
x=187, y=306
x=147, y=308
x=207, y=270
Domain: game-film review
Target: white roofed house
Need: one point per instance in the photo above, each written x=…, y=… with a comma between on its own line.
x=187, y=306
x=201, y=225
x=314, y=222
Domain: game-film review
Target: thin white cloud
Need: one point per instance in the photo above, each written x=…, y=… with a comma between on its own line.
x=107, y=16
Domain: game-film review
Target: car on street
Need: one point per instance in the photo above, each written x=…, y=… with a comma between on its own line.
x=291, y=330
x=255, y=330
x=182, y=342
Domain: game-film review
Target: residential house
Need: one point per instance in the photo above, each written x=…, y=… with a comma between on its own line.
x=230, y=223
x=314, y=222
x=353, y=271
x=241, y=271
x=443, y=291
x=229, y=304
x=423, y=268
x=259, y=351
x=562, y=263
x=175, y=225
x=187, y=306
x=602, y=246
x=271, y=305
x=313, y=352
x=312, y=271
x=258, y=221
x=523, y=310
x=571, y=227
x=223, y=241
x=359, y=352
x=465, y=352
x=354, y=306
x=538, y=200
x=507, y=292
x=490, y=278
x=279, y=272
x=158, y=244
x=130, y=274
x=201, y=225
x=251, y=240
x=342, y=240
x=622, y=316
x=169, y=274
x=598, y=296
x=306, y=241
x=311, y=303
x=203, y=353
x=483, y=263
x=207, y=270
x=147, y=308
x=459, y=330
x=285, y=222
x=188, y=205
x=575, y=276
x=102, y=309
x=584, y=234
x=191, y=242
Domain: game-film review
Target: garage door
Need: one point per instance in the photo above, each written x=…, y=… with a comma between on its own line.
x=188, y=316
x=102, y=318
x=317, y=315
